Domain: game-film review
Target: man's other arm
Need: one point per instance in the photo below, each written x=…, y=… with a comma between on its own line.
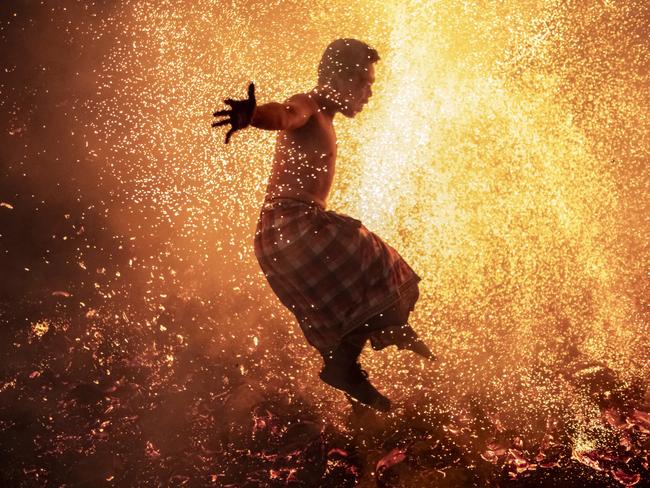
x=293, y=113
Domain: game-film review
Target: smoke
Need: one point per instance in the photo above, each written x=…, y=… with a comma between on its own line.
x=51, y=64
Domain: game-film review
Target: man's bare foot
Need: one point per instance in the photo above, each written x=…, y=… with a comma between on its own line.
x=420, y=348
x=354, y=381
x=404, y=337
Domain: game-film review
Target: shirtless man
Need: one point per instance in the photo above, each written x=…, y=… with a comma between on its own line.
x=341, y=281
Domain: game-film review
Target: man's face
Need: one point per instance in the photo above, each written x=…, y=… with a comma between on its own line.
x=355, y=90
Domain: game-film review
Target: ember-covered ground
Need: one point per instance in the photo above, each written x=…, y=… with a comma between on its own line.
x=105, y=393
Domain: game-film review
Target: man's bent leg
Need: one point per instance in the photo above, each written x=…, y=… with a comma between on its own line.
x=342, y=371
x=391, y=328
x=347, y=352
x=350, y=347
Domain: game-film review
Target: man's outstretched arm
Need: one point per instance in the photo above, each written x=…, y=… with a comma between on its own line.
x=291, y=114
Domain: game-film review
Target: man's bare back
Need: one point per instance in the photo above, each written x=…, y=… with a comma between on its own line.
x=305, y=154
x=304, y=162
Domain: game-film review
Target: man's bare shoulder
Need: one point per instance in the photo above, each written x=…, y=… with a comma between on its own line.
x=303, y=102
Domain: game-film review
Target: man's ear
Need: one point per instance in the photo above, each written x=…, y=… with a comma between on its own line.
x=336, y=83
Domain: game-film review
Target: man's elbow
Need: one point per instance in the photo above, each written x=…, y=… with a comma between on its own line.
x=295, y=120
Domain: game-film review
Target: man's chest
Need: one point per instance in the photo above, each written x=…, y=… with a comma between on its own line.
x=313, y=144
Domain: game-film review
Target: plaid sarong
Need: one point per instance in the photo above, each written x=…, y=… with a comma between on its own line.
x=328, y=269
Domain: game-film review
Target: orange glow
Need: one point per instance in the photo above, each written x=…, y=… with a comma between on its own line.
x=503, y=154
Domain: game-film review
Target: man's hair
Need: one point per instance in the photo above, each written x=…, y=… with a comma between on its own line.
x=345, y=56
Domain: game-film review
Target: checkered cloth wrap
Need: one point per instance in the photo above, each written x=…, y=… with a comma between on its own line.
x=328, y=269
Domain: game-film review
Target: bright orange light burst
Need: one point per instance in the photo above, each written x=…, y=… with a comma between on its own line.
x=503, y=154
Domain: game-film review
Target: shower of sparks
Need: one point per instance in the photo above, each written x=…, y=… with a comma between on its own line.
x=479, y=162
x=504, y=153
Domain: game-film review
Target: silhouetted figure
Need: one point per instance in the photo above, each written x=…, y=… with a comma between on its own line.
x=341, y=281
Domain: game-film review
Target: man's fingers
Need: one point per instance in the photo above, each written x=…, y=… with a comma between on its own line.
x=221, y=122
x=237, y=116
x=229, y=135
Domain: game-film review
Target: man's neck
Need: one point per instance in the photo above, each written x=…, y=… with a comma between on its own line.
x=325, y=98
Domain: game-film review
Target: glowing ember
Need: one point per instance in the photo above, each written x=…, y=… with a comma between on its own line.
x=40, y=328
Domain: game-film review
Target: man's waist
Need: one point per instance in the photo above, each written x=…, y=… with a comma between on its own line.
x=273, y=200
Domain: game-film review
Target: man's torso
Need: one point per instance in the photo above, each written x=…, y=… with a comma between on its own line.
x=304, y=162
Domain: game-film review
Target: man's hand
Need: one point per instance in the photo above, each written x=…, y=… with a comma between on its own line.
x=240, y=115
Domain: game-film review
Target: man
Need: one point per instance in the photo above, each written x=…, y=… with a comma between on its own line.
x=341, y=281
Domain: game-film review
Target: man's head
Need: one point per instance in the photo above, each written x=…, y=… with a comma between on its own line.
x=347, y=67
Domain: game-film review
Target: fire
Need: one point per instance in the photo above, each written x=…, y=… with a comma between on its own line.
x=479, y=163
x=498, y=154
